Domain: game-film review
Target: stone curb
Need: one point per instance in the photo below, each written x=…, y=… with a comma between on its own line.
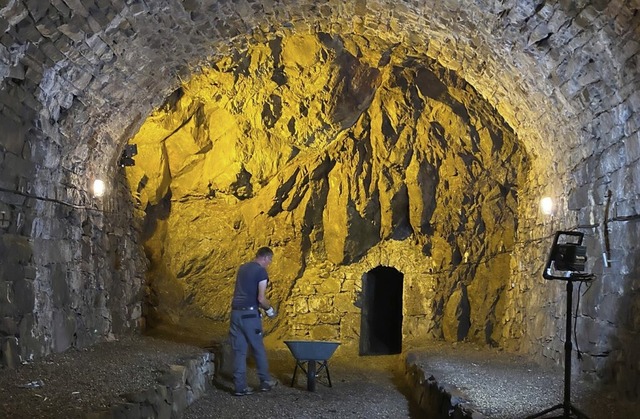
x=175, y=390
x=437, y=400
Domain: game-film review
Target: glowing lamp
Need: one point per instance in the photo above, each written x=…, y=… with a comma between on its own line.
x=98, y=188
x=546, y=205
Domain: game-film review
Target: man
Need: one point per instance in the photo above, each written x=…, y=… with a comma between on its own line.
x=246, y=323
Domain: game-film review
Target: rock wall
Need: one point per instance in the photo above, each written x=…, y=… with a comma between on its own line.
x=340, y=166
x=71, y=271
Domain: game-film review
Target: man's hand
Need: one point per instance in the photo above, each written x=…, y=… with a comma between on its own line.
x=271, y=313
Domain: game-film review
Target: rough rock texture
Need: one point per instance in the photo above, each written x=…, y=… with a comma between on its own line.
x=78, y=78
x=401, y=165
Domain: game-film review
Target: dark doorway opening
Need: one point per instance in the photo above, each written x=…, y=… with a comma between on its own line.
x=381, y=321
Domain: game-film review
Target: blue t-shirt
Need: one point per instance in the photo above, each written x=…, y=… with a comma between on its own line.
x=246, y=291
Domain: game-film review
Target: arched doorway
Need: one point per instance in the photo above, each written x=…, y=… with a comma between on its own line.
x=381, y=321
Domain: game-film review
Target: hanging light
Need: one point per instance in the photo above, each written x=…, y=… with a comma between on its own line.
x=98, y=188
x=546, y=205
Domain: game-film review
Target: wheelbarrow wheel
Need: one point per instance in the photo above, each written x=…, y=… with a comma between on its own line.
x=311, y=375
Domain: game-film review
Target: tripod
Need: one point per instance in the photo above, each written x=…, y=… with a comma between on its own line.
x=567, y=408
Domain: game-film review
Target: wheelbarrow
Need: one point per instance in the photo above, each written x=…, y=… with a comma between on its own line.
x=315, y=354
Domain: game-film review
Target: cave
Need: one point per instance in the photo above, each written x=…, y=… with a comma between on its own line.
x=412, y=141
x=381, y=317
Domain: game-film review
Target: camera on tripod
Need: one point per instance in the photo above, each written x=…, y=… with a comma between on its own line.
x=568, y=256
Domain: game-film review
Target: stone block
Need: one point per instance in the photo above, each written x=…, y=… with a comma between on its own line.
x=64, y=326
x=16, y=72
x=632, y=182
x=9, y=352
x=632, y=126
x=23, y=295
x=8, y=325
x=350, y=326
x=632, y=147
x=72, y=32
x=25, y=31
x=15, y=167
x=344, y=303
x=18, y=249
x=161, y=402
x=634, y=102
x=180, y=402
x=126, y=411
x=173, y=378
x=147, y=411
x=33, y=58
x=10, y=271
x=325, y=332
x=54, y=251
x=82, y=79
x=7, y=307
x=59, y=287
x=12, y=97
x=63, y=11
x=47, y=28
x=51, y=52
x=329, y=286
x=197, y=372
x=98, y=18
x=31, y=345
x=13, y=135
x=578, y=198
x=85, y=335
x=321, y=304
x=37, y=9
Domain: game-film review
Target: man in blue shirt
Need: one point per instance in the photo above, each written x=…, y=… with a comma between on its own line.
x=246, y=324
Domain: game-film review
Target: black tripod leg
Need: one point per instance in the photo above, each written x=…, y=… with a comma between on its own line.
x=566, y=406
x=544, y=412
x=568, y=347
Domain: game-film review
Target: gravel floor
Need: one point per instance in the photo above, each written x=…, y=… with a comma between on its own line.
x=73, y=383
x=510, y=386
x=370, y=389
x=496, y=384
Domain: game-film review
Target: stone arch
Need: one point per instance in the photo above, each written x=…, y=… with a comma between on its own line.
x=77, y=82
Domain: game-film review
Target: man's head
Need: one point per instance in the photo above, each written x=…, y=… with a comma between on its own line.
x=264, y=256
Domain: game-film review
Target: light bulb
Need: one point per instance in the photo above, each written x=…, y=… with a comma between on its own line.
x=98, y=188
x=546, y=205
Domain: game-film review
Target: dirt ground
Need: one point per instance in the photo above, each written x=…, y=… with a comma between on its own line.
x=497, y=384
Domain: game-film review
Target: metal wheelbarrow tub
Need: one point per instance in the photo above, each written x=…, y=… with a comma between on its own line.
x=316, y=354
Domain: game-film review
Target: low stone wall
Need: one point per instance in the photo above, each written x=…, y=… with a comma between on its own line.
x=436, y=400
x=177, y=389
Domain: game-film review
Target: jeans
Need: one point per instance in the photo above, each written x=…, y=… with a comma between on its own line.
x=245, y=332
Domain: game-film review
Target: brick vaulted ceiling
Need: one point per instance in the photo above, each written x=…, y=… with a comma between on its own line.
x=560, y=73
x=79, y=78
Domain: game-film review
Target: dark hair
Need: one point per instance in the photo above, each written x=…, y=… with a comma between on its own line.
x=264, y=251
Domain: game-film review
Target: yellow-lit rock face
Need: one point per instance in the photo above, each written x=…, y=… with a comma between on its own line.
x=342, y=155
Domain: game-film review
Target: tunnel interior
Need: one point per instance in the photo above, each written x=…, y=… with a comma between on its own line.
x=416, y=136
x=381, y=324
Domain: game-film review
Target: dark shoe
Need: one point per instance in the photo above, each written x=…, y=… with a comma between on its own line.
x=268, y=385
x=244, y=392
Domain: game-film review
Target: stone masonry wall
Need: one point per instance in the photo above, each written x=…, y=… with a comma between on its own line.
x=78, y=77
